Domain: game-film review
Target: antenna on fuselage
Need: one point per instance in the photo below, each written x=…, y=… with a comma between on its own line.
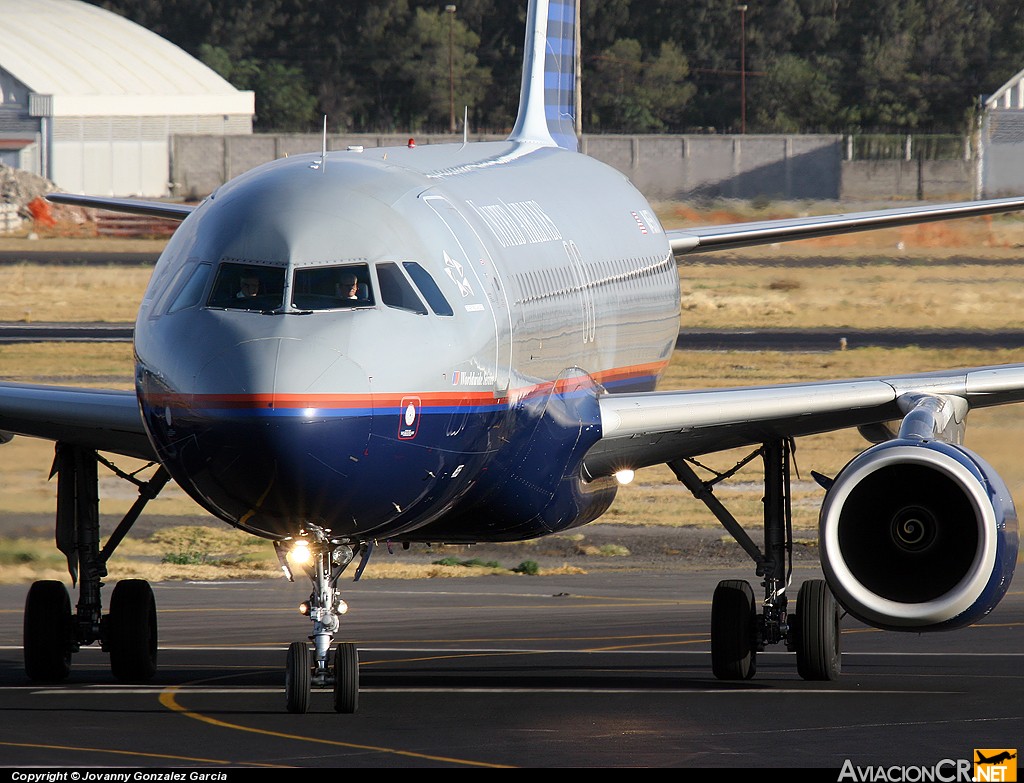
x=465, y=126
x=322, y=163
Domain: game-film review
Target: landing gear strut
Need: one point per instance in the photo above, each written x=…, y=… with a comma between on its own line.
x=324, y=560
x=738, y=630
x=51, y=632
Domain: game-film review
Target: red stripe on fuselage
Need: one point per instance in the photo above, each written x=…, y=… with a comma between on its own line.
x=394, y=399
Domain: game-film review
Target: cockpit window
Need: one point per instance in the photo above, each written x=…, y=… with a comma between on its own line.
x=395, y=290
x=421, y=277
x=244, y=287
x=191, y=293
x=332, y=287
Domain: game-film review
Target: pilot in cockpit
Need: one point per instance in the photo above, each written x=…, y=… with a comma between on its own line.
x=348, y=289
x=248, y=286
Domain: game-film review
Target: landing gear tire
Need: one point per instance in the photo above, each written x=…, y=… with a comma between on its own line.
x=297, y=678
x=132, y=631
x=817, y=632
x=346, y=678
x=47, y=631
x=733, y=623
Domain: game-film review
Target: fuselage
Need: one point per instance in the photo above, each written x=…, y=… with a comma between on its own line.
x=499, y=288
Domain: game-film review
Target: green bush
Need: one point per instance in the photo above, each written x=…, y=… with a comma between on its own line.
x=528, y=567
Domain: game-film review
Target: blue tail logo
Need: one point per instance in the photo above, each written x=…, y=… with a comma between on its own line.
x=560, y=74
x=547, y=107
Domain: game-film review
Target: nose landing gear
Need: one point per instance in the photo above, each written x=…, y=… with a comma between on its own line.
x=324, y=560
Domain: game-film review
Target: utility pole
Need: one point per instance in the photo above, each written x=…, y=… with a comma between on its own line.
x=450, y=10
x=743, y=67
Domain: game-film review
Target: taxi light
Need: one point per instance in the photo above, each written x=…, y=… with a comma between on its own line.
x=624, y=476
x=304, y=608
x=300, y=554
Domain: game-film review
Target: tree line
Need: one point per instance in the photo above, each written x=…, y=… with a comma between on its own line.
x=649, y=66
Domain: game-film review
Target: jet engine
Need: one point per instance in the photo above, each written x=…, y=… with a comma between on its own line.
x=918, y=535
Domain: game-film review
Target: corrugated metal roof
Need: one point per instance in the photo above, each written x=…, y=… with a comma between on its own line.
x=71, y=49
x=1010, y=95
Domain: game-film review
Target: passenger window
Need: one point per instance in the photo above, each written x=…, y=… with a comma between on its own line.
x=191, y=293
x=244, y=287
x=332, y=287
x=421, y=277
x=395, y=290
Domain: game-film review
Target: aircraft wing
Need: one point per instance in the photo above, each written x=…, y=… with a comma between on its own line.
x=160, y=209
x=102, y=419
x=702, y=239
x=643, y=429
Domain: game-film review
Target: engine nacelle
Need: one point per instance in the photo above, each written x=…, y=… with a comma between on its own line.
x=918, y=536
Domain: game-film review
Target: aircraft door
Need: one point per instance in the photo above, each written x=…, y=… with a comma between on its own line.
x=471, y=268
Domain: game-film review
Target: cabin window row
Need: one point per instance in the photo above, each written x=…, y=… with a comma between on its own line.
x=624, y=275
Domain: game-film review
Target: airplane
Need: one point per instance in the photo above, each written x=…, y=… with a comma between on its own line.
x=494, y=380
x=996, y=759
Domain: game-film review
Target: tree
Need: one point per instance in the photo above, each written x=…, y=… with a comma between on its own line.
x=426, y=69
x=629, y=94
x=282, y=101
x=794, y=96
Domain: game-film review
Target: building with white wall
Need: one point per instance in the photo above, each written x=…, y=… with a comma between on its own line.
x=90, y=99
x=1001, y=147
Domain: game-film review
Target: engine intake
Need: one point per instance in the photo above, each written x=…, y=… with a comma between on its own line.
x=918, y=535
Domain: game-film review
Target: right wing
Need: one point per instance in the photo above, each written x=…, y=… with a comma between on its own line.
x=703, y=239
x=100, y=419
x=650, y=428
x=159, y=209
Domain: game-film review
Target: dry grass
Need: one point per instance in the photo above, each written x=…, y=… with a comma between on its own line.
x=32, y=293
x=869, y=296
x=99, y=365
x=200, y=553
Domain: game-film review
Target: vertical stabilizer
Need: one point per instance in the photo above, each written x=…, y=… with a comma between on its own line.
x=547, y=102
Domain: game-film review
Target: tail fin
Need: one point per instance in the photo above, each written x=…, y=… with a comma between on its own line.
x=547, y=102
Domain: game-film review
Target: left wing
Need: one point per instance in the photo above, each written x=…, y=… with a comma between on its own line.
x=702, y=239
x=100, y=419
x=643, y=429
x=159, y=209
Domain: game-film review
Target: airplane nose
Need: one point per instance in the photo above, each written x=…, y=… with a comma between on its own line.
x=283, y=427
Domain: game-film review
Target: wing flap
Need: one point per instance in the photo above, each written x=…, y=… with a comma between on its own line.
x=101, y=419
x=649, y=428
x=703, y=239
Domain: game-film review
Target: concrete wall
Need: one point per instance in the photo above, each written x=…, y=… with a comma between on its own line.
x=663, y=168
x=921, y=180
x=686, y=167
x=201, y=163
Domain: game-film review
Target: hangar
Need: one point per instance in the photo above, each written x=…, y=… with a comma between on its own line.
x=1001, y=169
x=89, y=99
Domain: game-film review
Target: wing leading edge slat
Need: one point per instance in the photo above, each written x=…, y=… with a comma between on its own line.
x=158, y=209
x=101, y=419
x=649, y=428
x=703, y=239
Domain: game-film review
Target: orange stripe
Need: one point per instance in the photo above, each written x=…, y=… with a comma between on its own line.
x=394, y=399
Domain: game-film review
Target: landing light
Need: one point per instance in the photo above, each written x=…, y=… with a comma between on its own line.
x=624, y=476
x=300, y=554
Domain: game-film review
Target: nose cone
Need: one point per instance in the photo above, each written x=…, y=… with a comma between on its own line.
x=275, y=436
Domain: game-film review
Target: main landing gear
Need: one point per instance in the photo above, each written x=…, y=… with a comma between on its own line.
x=324, y=560
x=739, y=629
x=51, y=632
